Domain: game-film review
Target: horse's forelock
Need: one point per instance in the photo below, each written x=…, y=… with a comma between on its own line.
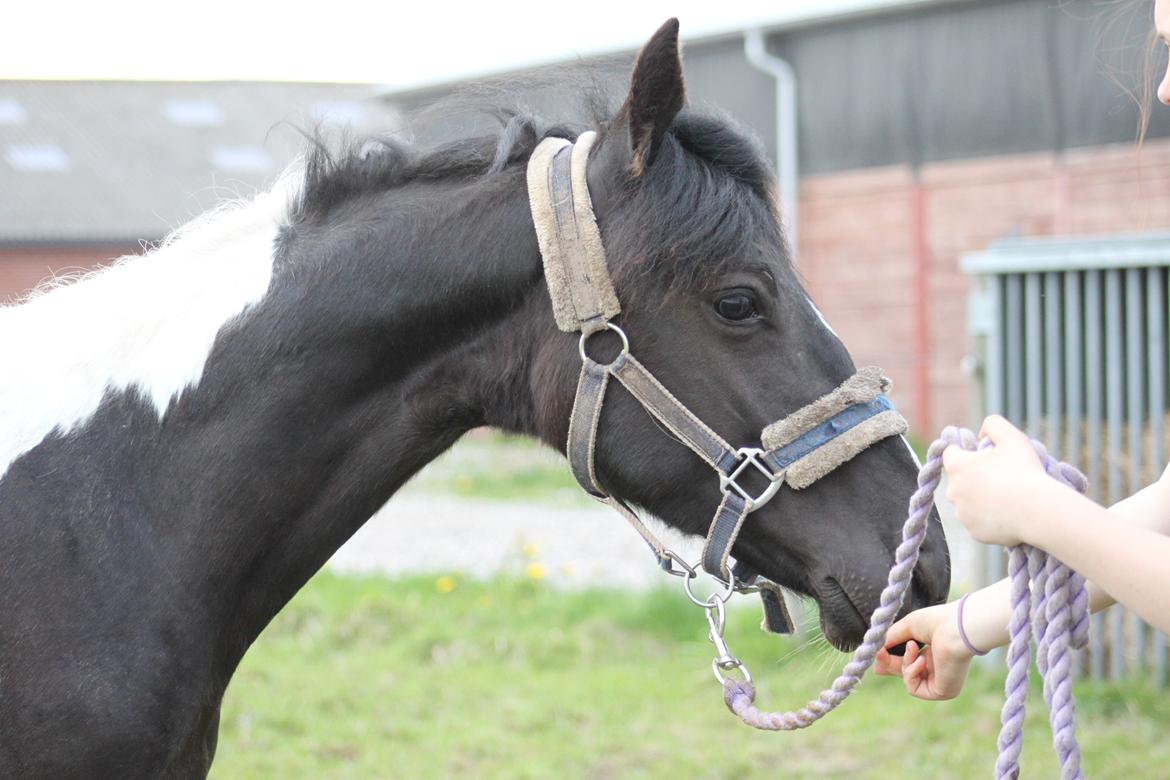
x=706, y=206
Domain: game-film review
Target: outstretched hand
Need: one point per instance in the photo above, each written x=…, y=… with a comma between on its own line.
x=936, y=662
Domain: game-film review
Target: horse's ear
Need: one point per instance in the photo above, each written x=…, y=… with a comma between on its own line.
x=656, y=95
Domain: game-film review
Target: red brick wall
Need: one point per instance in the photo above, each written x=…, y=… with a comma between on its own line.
x=857, y=241
x=23, y=268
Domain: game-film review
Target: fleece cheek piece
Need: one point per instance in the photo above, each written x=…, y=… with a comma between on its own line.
x=832, y=430
x=583, y=298
x=843, y=448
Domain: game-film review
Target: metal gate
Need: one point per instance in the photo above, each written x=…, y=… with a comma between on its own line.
x=1073, y=339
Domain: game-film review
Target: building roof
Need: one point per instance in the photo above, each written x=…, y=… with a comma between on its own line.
x=772, y=17
x=121, y=161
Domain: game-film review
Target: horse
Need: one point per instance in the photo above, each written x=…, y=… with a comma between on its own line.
x=188, y=435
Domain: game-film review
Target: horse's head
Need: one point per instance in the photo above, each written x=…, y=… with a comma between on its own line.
x=713, y=307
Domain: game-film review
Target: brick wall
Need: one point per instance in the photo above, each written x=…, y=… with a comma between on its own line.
x=24, y=267
x=857, y=248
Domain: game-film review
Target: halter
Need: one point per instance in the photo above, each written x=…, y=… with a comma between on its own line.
x=797, y=450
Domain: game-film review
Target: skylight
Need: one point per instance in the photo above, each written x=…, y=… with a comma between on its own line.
x=241, y=159
x=12, y=112
x=194, y=113
x=37, y=157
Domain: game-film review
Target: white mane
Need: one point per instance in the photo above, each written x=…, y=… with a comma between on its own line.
x=147, y=322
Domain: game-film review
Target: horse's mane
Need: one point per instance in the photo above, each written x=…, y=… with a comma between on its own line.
x=374, y=164
x=708, y=194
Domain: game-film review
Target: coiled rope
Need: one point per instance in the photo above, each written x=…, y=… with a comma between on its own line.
x=1049, y=608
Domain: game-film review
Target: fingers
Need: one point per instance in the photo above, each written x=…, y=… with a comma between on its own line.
x=1002, y=432
x=886, y=664
x=916, y=678
x=889, y=664
x=954, y=455
x=914, y=675
x=898, y=633
x=919, y=625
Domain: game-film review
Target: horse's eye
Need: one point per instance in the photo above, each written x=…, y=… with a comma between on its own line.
x=736, y=307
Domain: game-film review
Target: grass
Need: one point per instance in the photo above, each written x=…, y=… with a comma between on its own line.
x=367, y=677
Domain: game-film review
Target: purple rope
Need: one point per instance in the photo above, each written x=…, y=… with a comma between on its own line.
x=1049, y=606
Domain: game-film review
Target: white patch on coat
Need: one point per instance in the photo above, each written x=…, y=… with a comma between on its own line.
x=913, y=454
x=147, y=322
x=821, y=317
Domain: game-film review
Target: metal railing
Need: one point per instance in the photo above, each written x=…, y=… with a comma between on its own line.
x=1073, y=335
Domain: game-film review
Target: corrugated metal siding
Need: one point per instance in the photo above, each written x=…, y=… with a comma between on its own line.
x=968, y=80
x=1075, y=336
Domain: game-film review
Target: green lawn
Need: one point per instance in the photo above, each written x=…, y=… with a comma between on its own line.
x=367, y=677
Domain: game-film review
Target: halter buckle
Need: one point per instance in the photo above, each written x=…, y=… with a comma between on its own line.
x=751, y=456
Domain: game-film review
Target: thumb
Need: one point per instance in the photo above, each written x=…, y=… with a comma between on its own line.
x=955, y=455
x=1003, y=433
x=906, y=629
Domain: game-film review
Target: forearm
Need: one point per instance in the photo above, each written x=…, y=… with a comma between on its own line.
x=1128, y=562
x=987, y=611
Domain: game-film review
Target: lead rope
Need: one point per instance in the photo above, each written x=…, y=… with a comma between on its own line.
x=1049, y=606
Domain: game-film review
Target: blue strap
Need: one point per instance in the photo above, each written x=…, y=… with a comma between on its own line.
x=822, y=433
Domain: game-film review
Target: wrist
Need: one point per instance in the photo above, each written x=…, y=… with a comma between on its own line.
x=1046, y=508
x=948, y=637
x=964, y=638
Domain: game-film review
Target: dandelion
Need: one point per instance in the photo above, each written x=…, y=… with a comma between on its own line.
x=445, y=584
x=531, y=550
x=535, y=571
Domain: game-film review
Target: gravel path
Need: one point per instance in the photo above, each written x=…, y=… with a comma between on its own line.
x=569, y=547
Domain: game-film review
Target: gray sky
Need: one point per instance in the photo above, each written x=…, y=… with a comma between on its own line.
x=400, y=44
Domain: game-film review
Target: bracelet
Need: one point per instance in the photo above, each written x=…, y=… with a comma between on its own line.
x=962, y=633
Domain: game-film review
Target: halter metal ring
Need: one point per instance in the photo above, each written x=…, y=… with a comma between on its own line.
x=751, y=456
x=608, y=326
x=719, y=596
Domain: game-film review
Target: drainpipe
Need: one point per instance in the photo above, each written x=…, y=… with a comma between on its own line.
x=756, y=51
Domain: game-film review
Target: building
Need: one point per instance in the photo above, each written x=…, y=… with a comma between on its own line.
x=90, y=171
x=910, y=132
x=922, y=130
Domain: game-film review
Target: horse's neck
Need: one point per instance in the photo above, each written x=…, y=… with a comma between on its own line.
x=369, y=372
x=383, y=335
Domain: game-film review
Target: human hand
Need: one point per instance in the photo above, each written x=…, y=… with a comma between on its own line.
x=937, y=660
x=999, y=490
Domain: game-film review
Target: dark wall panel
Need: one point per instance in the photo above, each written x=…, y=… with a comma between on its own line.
x=719, y=78
x=968, y=80
x=960, y=80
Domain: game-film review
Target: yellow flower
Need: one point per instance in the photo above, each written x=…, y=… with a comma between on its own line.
x=531, y=550
x=445, y=584
x=535, y=571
